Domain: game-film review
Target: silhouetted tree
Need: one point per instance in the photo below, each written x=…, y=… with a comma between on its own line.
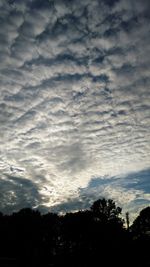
x=140, y=230
x=85, y=238
x=141, y=224
x=106, y=210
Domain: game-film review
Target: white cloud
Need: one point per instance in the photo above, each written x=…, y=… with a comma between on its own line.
x=74, y=95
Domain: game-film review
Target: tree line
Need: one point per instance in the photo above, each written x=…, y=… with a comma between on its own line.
x=88, y=238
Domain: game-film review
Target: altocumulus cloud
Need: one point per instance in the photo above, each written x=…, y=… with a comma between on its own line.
x=74, y=103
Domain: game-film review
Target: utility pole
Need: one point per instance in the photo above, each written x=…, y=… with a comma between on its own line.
x=127, y=220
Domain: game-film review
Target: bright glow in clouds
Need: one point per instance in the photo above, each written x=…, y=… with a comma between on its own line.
x=74, y=103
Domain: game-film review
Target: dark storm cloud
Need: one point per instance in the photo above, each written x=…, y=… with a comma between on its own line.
x=74, y=98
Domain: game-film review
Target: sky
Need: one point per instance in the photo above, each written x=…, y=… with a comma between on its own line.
x=74, y=104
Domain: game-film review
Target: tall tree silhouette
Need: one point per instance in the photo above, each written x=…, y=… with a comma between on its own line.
x=141, y=225
x=140, y=230
x=106, y=210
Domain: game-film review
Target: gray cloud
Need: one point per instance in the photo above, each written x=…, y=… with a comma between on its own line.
x=74, y=98
x=18, y=193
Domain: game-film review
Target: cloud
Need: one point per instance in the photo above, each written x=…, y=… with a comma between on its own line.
x=74, y=98
x=18, y=193
x=131, y=192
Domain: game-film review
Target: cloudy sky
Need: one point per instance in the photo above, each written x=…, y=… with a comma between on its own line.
x=74, y=103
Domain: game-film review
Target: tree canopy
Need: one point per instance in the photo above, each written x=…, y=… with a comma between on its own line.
x=106, y=210
x=83, y=238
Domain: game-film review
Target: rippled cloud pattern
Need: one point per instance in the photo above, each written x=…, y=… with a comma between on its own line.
x=74, y=103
